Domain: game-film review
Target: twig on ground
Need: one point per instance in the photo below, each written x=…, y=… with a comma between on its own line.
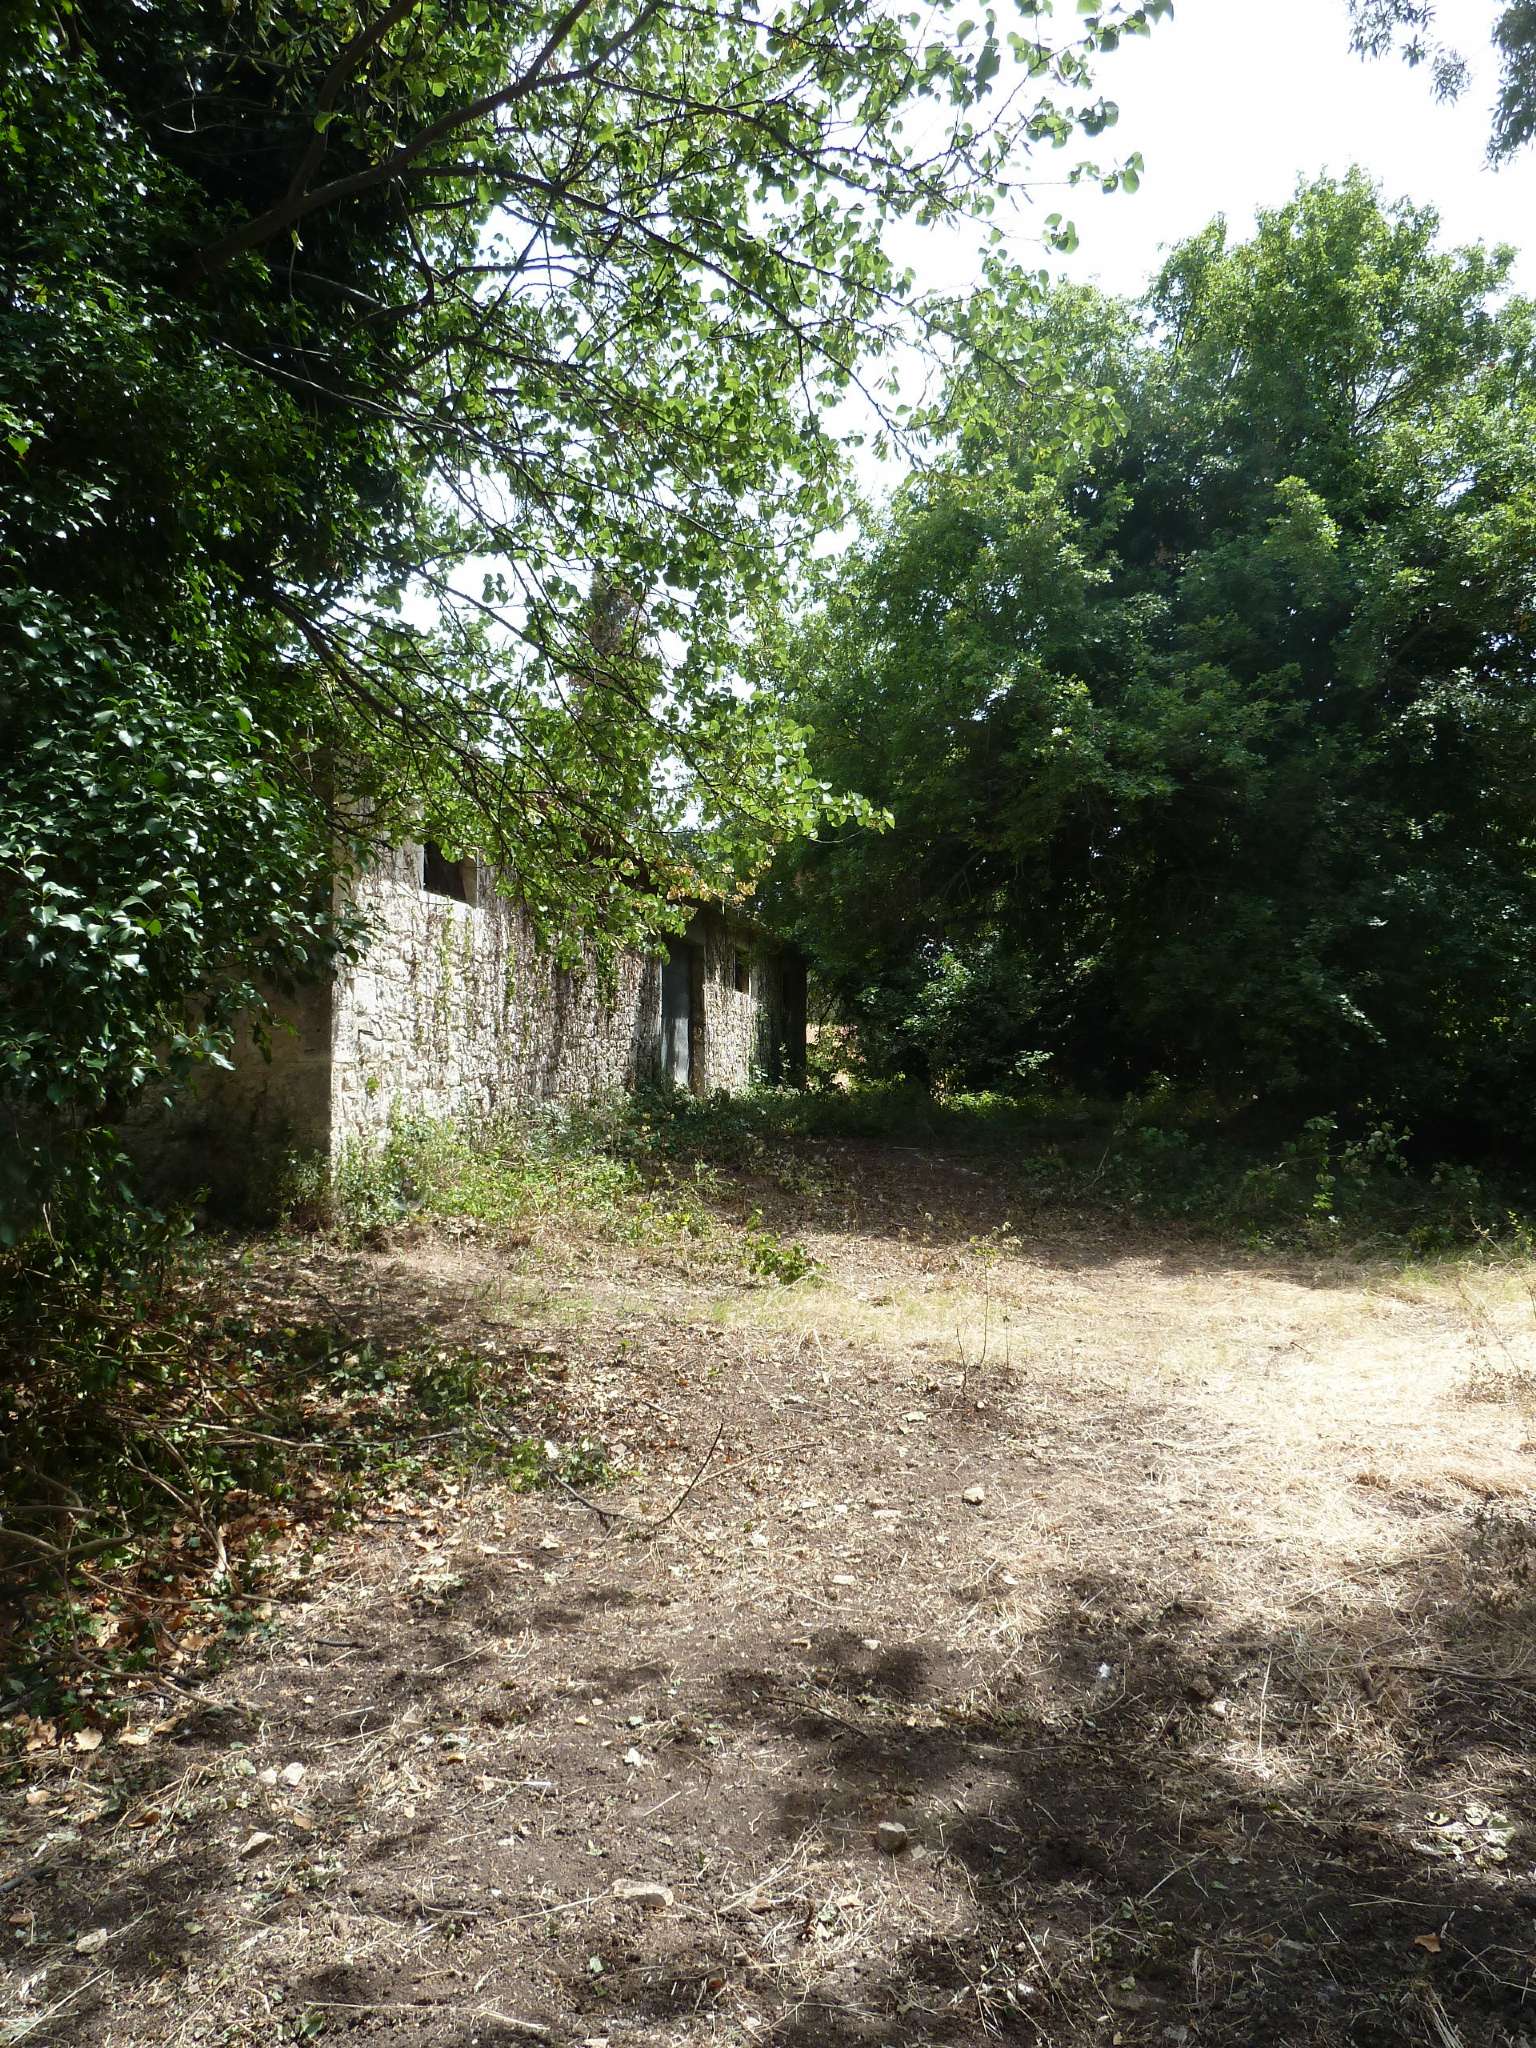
x=531, y=2030
x=61, y=1553
x=1455, y=1671
x=1269, y=1665
x=13, y=2031
x=606, y=1514
x=652, y=1527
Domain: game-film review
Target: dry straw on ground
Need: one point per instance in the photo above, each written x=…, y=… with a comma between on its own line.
x=1209, y=1722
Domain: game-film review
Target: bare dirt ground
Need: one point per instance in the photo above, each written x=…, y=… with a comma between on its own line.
x=1175, y=1607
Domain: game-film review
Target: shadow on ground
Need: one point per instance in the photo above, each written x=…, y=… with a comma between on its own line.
x=1166, y=1835
x=1129, y=1822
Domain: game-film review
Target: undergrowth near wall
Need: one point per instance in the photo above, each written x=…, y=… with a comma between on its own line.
x=1350, y=1184
x=608, y=1170
x=665, y=1170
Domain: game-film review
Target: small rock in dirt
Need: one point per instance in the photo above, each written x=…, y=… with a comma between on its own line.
x=1129, y=1997
x=650, y=1898
x=891, y=1837
x=973, y=1496
x=293, y=1774
x=254, y=1842
x=634, y=1759
x=88, y=1944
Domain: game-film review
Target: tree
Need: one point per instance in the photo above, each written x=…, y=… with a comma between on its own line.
x=1408, y=26
x=350, y=360
x=1211, y=748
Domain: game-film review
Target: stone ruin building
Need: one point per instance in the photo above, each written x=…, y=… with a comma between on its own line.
x=453, y=1010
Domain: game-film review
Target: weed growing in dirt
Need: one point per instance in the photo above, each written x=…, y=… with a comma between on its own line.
x=776, y=1258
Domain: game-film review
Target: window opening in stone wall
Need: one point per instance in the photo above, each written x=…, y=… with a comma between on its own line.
x=743, y=974
x=441, y=876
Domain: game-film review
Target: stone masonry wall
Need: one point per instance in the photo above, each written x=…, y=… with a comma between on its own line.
x=453, y=1010
x=230, y=1131
x=743, y=1030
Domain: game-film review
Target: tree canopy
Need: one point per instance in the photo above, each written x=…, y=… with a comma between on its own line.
x=402, y=410
x=1411, y=29
x=1211, y=746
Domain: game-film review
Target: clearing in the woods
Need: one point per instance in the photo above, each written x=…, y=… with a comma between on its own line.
x=1019, y=1630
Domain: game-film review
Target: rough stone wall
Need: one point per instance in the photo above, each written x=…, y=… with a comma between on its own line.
x=453, y=1010
x=743, y=1030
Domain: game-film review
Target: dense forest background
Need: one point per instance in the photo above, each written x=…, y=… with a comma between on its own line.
x=1207, y=735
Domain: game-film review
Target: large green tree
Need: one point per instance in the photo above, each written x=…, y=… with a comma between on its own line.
x=1211, y=748
x=402, y=408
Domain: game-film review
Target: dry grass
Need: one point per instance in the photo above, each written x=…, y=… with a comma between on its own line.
x=1210, y=1720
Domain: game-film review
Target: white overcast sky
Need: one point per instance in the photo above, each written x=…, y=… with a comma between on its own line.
x=1230, y=104
x=1233, y=100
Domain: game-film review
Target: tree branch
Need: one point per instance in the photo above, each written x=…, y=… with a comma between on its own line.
x=295, y=205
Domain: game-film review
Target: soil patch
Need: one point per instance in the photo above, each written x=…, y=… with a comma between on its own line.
x=1176, y=1609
